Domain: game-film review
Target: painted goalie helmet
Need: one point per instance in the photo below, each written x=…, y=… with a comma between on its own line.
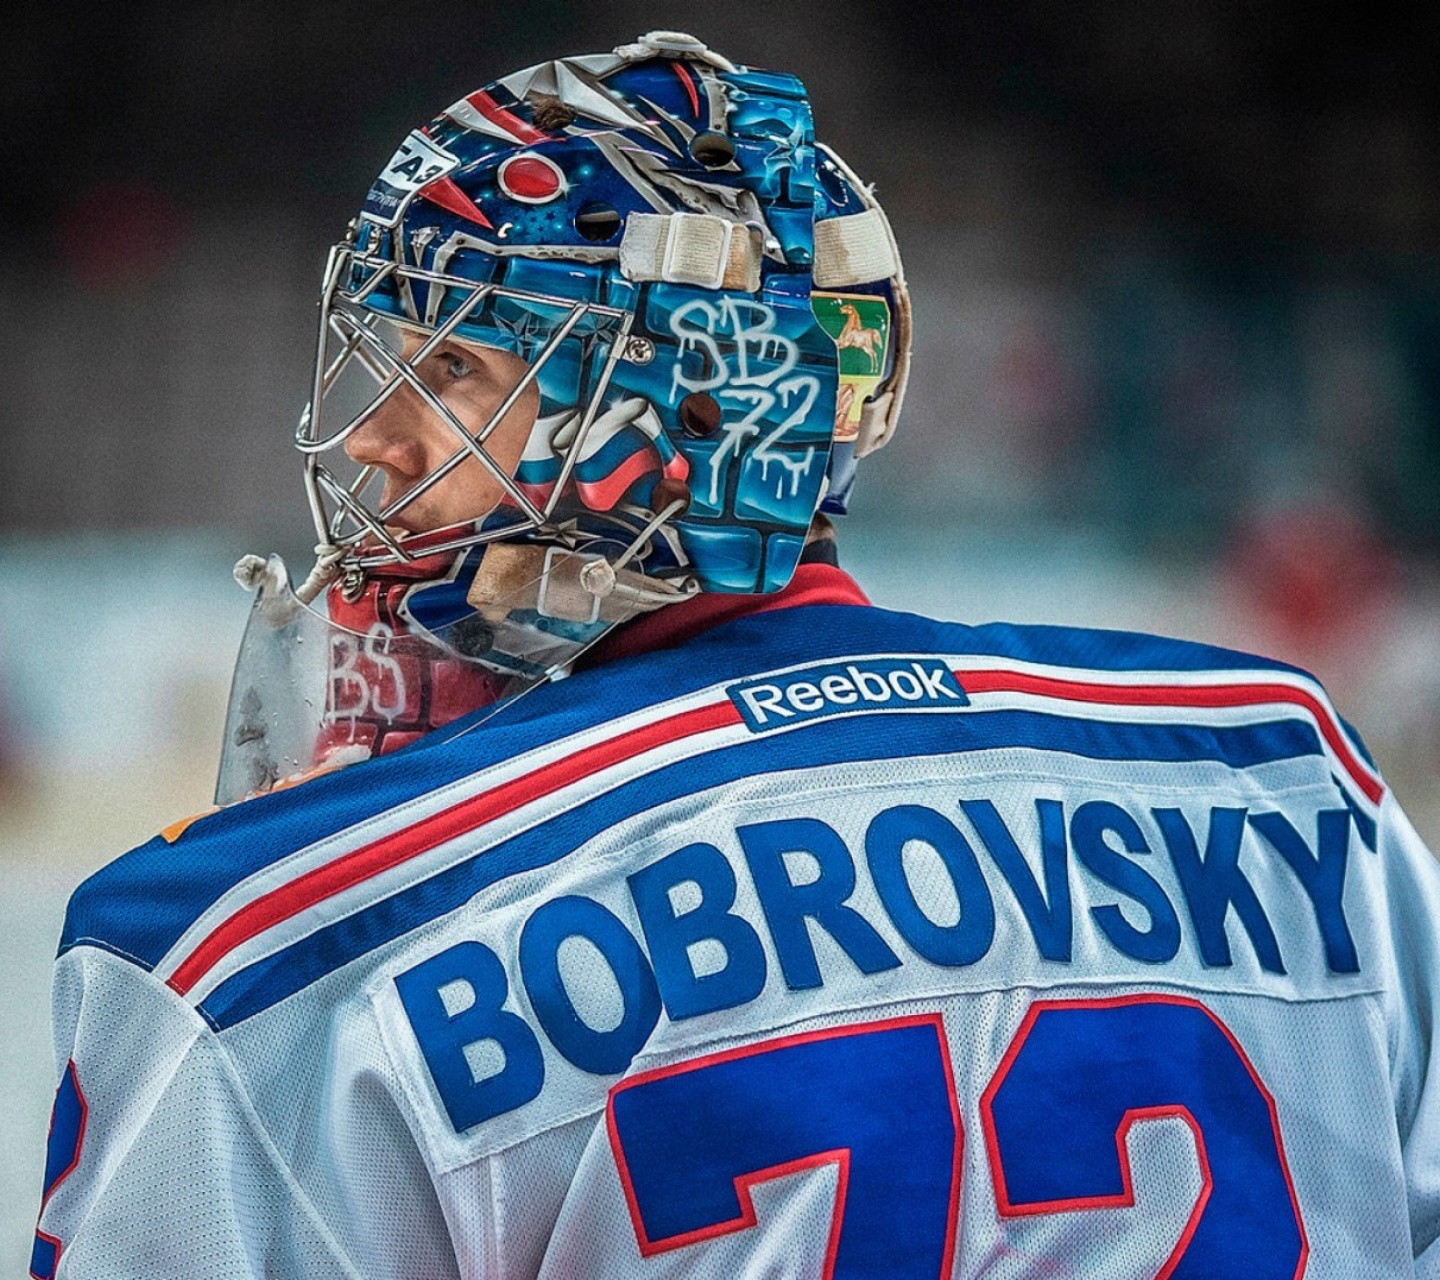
x=605, y=334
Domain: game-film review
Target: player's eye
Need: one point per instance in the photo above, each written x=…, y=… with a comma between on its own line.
x=457, y=366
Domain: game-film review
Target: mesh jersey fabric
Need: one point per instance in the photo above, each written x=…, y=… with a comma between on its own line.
x=829, y=942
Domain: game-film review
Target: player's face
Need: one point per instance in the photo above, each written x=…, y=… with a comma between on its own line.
x=405, y=440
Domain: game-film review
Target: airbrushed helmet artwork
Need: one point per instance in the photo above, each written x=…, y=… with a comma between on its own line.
x=605, y=334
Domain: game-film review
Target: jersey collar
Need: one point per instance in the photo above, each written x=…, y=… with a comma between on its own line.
x=673, y=625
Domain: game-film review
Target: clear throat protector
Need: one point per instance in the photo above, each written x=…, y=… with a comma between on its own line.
x=363, y=670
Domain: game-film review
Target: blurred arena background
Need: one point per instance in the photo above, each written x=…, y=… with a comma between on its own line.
x=1176, y=267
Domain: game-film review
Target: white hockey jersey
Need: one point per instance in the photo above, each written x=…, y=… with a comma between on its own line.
x=831, y=942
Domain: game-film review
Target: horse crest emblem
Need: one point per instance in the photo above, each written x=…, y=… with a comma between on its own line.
x=860, y=325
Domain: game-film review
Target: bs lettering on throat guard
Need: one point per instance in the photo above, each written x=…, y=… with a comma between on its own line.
x=843, y=688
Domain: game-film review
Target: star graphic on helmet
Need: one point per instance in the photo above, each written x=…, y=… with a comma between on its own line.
x=781, y=158
x=598, y=339
x=524, y=330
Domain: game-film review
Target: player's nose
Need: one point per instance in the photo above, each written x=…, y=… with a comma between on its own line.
x=391, y=436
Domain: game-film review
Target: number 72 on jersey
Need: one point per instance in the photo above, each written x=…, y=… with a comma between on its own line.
x=878, y=1101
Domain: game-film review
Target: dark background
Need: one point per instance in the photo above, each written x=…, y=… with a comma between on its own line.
x=1175, y=261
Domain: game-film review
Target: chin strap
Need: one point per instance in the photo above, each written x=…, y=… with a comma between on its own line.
x=568, y=585
x=571, y=585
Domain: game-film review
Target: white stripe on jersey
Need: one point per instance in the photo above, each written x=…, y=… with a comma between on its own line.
x=195, y=974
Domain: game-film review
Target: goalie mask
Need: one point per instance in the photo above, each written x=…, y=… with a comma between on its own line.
x=605, y=334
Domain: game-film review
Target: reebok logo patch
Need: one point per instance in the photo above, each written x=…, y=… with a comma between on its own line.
x=872, y=684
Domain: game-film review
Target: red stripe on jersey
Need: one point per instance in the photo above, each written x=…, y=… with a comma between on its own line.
x=348, y=870
x=1156, y=695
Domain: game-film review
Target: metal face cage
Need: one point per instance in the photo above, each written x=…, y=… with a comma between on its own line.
x=570, y=348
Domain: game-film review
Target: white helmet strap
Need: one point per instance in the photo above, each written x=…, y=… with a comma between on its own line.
x=691, y=248
x=860, y=248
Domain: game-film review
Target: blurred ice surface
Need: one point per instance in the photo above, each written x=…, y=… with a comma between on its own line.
x=115, y=656
x=108, y=643
x=981, y=574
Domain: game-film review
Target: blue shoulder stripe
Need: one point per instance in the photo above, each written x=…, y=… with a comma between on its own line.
x=892, y=737
x=139, y=905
